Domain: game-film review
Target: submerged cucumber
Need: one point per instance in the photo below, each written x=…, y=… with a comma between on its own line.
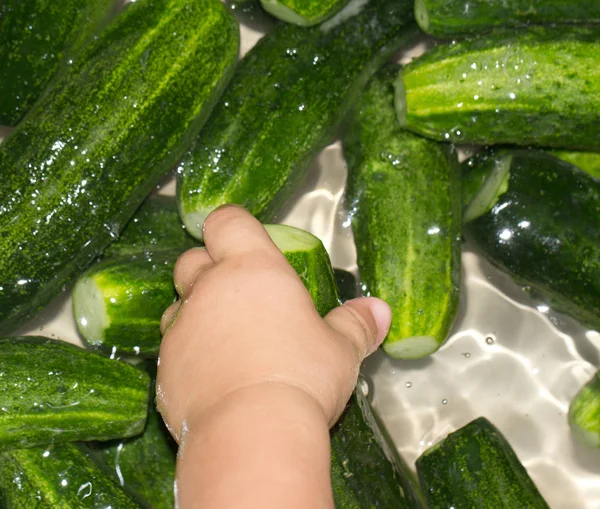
x=52, y=391
x=285, y=100
x=452, y=17
x=35, y=35
x=476, y=468
x=304, y=12
x=60, y=476
x=586, y=161
x=539, y=86
x=404, y=195
x=584, y=413
x=538, y=218
x=78, y=166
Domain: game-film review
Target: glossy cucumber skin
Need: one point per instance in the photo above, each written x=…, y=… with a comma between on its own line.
x=586, y=161
x=584, y=413
x=476, y=468
x=35, y=35
x=455, y=17
x=78, y=166
x=282, y=106
x=404, y=196
x=545, y=231
x=303, y=12
x=59, y=476
x=52, y=391
x=539, y=87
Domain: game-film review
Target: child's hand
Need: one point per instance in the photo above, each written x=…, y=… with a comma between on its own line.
x=245, y=345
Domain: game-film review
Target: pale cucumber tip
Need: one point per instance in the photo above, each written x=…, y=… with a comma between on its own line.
x=89, y=309
x=415, y=347
x=194, y=220
x=422, y=15
x=284, y=13
x=400, y=98
x=290, y=239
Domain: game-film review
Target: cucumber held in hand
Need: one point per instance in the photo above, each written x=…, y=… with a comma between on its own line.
x=304, y=12
x=538, y=218
x=454, y=17
x=60, y=476
x=475, y=467
x=35, y=35
x=78, y=166
x=539, y=86
x=118, y=303
x=282, y=106
x=52, y=391
x=584, y=413
x=404, y=193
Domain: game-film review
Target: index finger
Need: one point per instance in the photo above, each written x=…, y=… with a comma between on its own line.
x=232, y=231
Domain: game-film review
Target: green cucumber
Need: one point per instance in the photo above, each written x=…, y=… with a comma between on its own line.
x=35, y=35
x=128, y=106
x=303, y=12
x=542, y=226
x=586, y=161
x=60, y=476
x=539, y=86
x=118, y=303
x=584, y=413
x=52, y=391
x=282, y=106
x=475, y=467
x=446, y=18
x=404, y=196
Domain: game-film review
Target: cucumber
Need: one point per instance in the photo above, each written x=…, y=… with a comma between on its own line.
x=584, y=413
x=446, y=18
x=346, y=283
x=475, y=467
x=35, y=35
x=542, y=226
x=404, y=194
x=284, y=102
x=539, y=87
x=303, y=12
x=586, y=161
x=118, y=303
x=69, y=186
x=59, y=476
x=53, y=391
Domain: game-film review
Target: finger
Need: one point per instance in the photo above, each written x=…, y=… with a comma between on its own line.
x=169, y=316
x=364, y=322
x=232, y=231
x=188, y=267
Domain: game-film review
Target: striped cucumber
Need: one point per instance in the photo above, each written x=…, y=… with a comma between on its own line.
x=35, y=35
x=303, y=12
x=404, y=194
x=59, y=476
x=539, y=86
x=284, y=102
x=584, y=412
x=118, y=303
x=586, y=161
x=78, y=166
x=475, y=467
x=446, y=18
x=52, y=391
x=538, y=218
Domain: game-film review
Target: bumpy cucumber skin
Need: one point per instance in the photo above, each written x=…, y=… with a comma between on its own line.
x=56, y=392
x=456, y=17
x=545, y=231
x=78, y=166
x=405, y=200
x=586, y=161
x=302, y=12
x=476, y=468
x=539, y=87
x=584, y=413
x=60, y=476
x=282, y=106
x=35, y=35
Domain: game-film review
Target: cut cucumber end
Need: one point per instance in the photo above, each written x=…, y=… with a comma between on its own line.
x=286, y=14
x=289, y=239
x=422, y=15
x=411, y=348
x=400, y=98
x=89, y=309
x=194, y=220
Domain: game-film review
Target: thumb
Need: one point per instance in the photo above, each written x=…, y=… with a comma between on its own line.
x=364, y=322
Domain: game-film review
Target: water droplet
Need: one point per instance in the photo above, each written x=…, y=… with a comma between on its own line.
x=444, y=402
x=467, y=354
x=490, y=340
x=408, y=384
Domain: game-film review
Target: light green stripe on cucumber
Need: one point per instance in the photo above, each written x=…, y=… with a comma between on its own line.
x=303, y=12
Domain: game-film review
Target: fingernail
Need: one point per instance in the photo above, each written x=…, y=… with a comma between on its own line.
x=383, y=317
